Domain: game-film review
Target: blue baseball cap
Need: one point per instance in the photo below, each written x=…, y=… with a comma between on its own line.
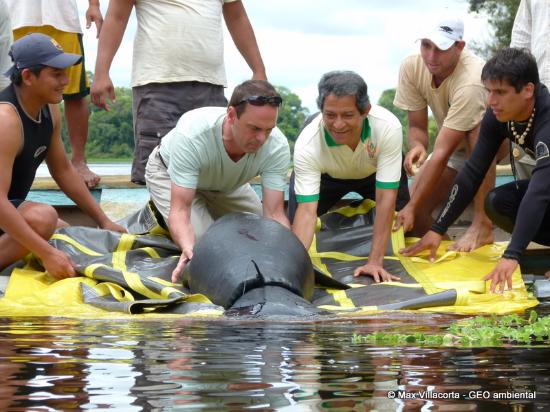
x=38, y=49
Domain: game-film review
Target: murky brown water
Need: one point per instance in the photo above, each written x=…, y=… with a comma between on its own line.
x=64, y=364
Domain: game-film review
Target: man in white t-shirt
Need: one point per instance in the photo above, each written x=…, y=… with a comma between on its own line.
x=351, y=146
x=201, y=169
x=6, y=39
x=531, y=31
x=59, y=20
x=178, y=62
x=446, y=78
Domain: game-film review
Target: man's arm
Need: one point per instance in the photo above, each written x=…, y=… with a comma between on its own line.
x=385, y=206
x=522, y=28
x=418, y=140
x=179, y=224
x=304, y=222
x=274, y=206
x=446, y=143
x=93, y=14
x=110, y=37
x=68, y=179
x=243, y=36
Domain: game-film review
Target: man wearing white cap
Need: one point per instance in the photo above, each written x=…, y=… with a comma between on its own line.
x=30, y=126
x=446, y=78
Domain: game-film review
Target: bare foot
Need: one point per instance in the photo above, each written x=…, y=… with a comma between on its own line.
x=89, y=177
x=474, y=237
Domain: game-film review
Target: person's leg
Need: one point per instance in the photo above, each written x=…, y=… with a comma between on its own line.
x=159, y=184
x=43, y=219
x=157, y=107
x=502, y=205
x=332, y=190
x=76, y=104
x=242, y=199
x=76, y=116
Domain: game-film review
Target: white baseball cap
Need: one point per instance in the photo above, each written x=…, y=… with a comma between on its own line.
x=445, y=32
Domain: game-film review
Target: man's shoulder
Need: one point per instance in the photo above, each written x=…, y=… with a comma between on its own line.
x=201, y=119
x=468, y=70
x=310, y=135
x=381, y=116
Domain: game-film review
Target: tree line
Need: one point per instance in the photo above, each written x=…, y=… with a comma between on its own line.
x=111, y=134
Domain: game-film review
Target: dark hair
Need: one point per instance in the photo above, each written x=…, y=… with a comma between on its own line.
x=516, y=67
x=250, y=88
x=16, y=77
x=341, y=84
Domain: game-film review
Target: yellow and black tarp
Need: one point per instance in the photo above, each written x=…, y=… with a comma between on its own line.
x=130, y=274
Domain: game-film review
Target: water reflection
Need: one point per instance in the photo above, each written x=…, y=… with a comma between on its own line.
x=212, y=365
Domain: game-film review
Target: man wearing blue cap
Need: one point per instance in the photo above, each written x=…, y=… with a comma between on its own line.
x=30, y=127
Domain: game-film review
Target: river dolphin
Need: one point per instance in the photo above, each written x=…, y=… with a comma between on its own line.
x=252, y=266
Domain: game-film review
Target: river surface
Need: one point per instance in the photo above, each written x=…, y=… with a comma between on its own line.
x=176, y=364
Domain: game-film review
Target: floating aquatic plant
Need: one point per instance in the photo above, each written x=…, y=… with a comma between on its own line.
x=478, y=331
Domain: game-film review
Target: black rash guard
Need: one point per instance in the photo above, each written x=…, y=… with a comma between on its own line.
x=37, y=135
x=534, y=204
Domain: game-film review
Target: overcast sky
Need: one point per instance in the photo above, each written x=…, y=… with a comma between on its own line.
x=302, y=39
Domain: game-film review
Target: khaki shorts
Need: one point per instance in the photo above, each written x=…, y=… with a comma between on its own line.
x=79, y=85
x=207, y=205
x=457, y=159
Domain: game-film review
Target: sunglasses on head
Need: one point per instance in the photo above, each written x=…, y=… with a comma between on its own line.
x=262, y=100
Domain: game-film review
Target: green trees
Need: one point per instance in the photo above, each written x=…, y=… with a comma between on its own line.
x=110, y=134
x=291, y=115
x=386, y=101
x=501, y=17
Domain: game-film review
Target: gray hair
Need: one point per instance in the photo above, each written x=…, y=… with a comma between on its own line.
x=343, y=83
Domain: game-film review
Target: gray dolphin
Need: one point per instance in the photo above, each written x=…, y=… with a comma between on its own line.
x=252, y=266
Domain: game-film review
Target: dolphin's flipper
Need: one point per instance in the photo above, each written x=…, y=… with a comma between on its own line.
x=242, y=252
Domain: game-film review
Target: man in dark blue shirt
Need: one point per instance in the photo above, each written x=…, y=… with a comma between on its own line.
x=519, y=110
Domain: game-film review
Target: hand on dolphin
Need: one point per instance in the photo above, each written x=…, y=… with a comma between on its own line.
x=376, y=271
x=185, y=258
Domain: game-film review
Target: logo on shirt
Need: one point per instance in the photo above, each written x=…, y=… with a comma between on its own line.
x=541, y=151
x=39, y=151
x=371, y=148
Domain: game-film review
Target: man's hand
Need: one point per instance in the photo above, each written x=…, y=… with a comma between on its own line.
x=93, y=14
x=430, y=241
x=415, y=158
x=501, y=275
x=405, y=218
x=185, y=258
x=58, y=264
x=115, y=227
x=101, y=89
x=376, y=271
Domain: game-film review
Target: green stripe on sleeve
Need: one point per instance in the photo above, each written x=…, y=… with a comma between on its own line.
x=387, y=185
x=307, y=198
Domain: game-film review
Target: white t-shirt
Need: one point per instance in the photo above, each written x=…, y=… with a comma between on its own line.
x=61, y=14
x=179, y=40
x=6, y=40
x=197, y=159
x=379, y=151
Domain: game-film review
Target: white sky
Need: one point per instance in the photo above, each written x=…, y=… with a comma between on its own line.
x=302, y=39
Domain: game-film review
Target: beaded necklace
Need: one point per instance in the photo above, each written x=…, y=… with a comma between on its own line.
x=520, y=139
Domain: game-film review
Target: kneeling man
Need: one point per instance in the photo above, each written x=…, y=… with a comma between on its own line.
x=30, y=129
x=202, y=167
x=351, y=146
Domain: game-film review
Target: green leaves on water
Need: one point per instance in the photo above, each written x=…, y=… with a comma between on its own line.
x=478, y=331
